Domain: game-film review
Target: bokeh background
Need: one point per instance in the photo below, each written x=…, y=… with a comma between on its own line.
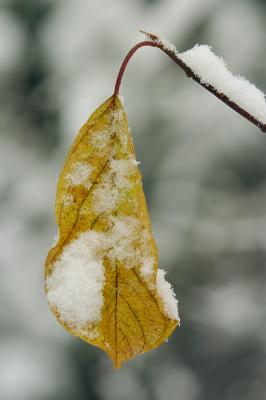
x=204, y=171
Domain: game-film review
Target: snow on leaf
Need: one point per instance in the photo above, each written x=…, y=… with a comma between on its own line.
x=102, y=278
x=79, y=174
x=167, y=295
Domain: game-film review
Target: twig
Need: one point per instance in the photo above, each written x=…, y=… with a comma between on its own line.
x=155, y=42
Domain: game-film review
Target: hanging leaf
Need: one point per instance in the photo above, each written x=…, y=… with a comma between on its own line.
x=102, y=277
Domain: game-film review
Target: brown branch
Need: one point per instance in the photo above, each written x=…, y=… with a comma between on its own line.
x=155, y=42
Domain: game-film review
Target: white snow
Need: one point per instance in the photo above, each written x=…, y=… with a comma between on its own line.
x=125, y=241
x=147, y=268
x=123, y=169
x=167, y=295
x=117, y=115
x=75, y=287
x=93, y=334
x=105, y=197
x=212, y=70
x=80, y=174
x=100, y=139
x=67, y=199
x=168, y=45
x=76, y=284
x=112, y=188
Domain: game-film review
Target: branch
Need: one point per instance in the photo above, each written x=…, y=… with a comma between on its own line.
x=156, y=42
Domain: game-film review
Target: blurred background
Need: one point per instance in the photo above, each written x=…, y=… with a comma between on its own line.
x=204, y=172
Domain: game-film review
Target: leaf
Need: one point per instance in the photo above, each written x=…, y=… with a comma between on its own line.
x=102, y=277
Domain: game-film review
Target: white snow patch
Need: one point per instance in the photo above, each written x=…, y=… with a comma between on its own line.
x=108, y=193
x=117, y=115
x=213, y=70
x=122, y=170
x=80, y=174
x=135, y=162
x=75, y=287
x=67, y=199
x=147, y=268
x=154, y=37
x=129, y=243
x=90, y=335
x=105, y=197
x=168, y=45
x=76, y=284
x=119, y=127
x=100, y=139
x=167, y=295
x=123, y=238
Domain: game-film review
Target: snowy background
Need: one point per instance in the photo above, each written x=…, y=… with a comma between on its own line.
x=204, y=171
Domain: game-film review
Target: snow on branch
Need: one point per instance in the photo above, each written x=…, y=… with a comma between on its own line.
x=211, y=72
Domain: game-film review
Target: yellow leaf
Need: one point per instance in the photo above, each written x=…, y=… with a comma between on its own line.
x=102, y=277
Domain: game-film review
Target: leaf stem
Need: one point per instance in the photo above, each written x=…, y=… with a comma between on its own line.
x=188, y=71
x=126, y=60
